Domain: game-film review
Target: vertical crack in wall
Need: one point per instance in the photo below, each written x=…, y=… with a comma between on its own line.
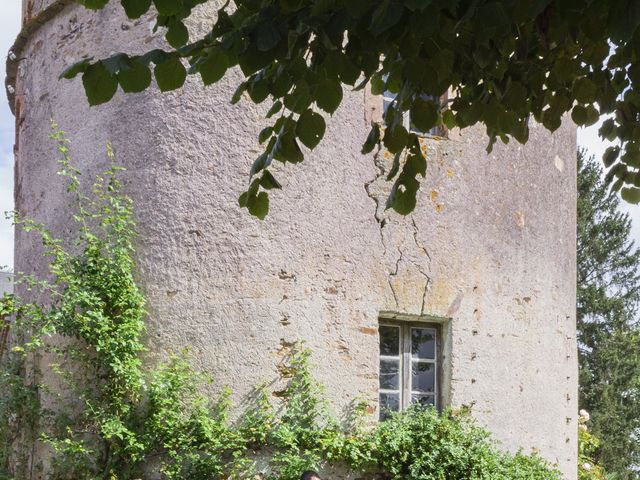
x=380, y=218
x=367, y=187
x=382, y=221
x=395, y=274
x=426, y=276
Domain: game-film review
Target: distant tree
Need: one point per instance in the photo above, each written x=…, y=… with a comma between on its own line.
x=505, y=62
x=608, y=328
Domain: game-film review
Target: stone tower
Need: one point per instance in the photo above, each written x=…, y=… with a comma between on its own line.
x=479, y=280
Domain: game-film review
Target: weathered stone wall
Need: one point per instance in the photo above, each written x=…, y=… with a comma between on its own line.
x=491, y=245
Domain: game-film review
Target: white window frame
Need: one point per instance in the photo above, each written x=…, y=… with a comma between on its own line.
x=406, y=362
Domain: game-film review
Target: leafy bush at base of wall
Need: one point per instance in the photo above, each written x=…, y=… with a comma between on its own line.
x=106, y=416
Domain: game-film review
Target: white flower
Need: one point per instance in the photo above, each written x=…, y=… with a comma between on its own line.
x=586, y=466
x=582, y=427
x=585, y=415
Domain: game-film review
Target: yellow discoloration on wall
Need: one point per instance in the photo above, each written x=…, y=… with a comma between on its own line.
x=440, y=296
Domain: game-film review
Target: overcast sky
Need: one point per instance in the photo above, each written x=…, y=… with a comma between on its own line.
x=9, y=27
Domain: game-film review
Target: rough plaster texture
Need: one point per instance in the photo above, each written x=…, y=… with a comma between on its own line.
x=491, y=245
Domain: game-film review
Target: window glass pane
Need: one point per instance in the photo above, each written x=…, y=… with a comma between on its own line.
x=423, y=343
x=423, y=399
x=389, y=340
x=389, y=402
x=390, y=374
x=422, y=377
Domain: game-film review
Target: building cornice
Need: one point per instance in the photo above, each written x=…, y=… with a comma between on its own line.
x=14, y=57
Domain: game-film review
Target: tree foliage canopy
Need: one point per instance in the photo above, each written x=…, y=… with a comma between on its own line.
x=608, y=328
x=503, y=61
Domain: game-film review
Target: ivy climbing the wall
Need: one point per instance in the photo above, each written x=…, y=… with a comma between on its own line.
x=103, y=413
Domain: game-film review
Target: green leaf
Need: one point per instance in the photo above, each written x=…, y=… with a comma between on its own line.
x=607, y=130
x=328, y=95
x=417, y=5
x=449, y=119
x=267, y=36
x=253, y=60
x=76, y=68
x=493, y=15
x=170, y=74
x=592, y=115
x=385, y=16
x=155, y=56
x=395, y=166
x=372, y=139
x=258, y=89
x=243, y=199
x=136, y=8
x=610, y=156
x=403, y=195
x=265, y=134
x=260, y=163
x=260, y=206
x=289, y=6
x=348, y=71
x=310, y=128
x=135, y=78
x=94, y=4
x=416, y=164
x=358, y=8
x=584, y=90
x=584, y=116
x=395, y=139
x=177, y=33
x=624, y=19
x=275, y=108
x=617, y=185
x=100, y=84
x=116, y=62
x=424, y=114
x=214, y=67
x=168, y=8
x=237, y=95
x=631, y=195
x=268, y=181
x=298, y=100
x=631, y=158
x=287, y=149
x=378, y=84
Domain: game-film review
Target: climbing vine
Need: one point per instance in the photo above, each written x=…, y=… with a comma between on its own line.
x=104, y=414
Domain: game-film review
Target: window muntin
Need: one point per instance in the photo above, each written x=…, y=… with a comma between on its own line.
x=408, y=366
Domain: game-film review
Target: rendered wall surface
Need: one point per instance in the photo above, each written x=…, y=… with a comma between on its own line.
x=491, y=244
